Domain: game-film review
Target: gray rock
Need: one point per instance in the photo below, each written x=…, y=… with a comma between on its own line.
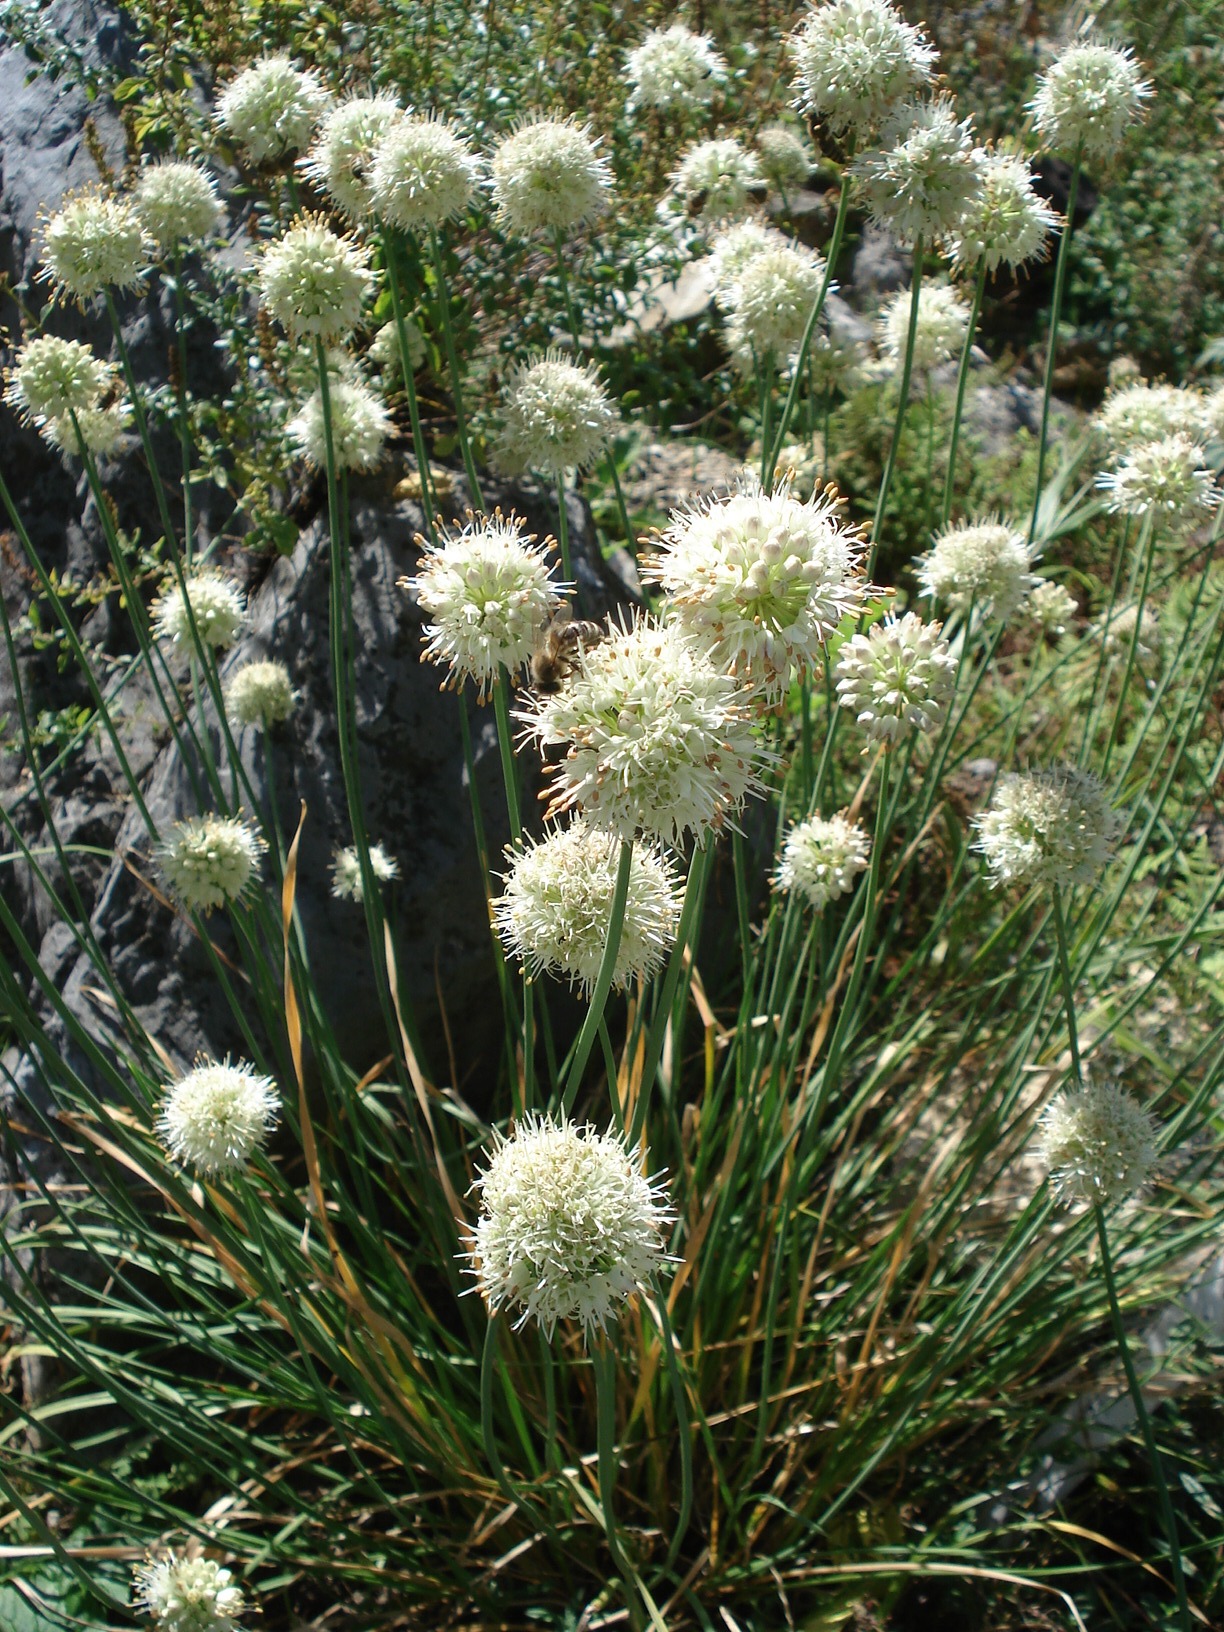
x=880, y=267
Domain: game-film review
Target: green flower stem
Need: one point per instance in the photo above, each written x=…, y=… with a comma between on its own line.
x=142, y=424
x=1167, y=1519
x=452, y=358
x=604, y=1364
x=1147, y=552
x=603, y=980
x=962, y=380
x=739, y=862
x=907, y=369
x=805, y=703
x=766, y=372
x=184, y=424
x=684, y=1432
x=1060, y=284
x=567, y=570
x=414, y=413
x=488, y=1366
x=1068, y=987
x=505, y=744
x=805, y=345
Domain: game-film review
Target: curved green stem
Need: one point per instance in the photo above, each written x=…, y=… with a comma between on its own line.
x=1068, y=988
x=414, y=412
x=605, y=1395
x=505, y=744
x=962, y=380
x=1060, y=284
x=452, y=359
x=603, y=981
x=567, y=570
x=907, y=369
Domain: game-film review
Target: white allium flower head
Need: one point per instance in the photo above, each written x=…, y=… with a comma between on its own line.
x=925, y=173
x=1087, y=97
x=836, y=360
x=94, y=242
x=209, y=861
x=360, y=427
x=1051, y=607
x=718, y=177
x=785, y=158
x=569, y=1225
x=557, y=416
x=985, y=565
x=1099, y=1144
x=549, y=175
x=216, y=603
x=102, y=430
x=487, y=591
x=271, y=108
x=733, y=249
x=771, y=301
x=343, y=150
x=761, y=580
x=52, y=378
x=855, y=60
x=347, y=882
x=943, y=323
x=1054, y=828
x=189, y=1594
x=260, y=694
x=1116, y=630
x=214, y=1119
x=423, y=174
x=673, y=67
x=1144, y=412
x=821, y=858
x=314, y=281
x=1007, y=220
x=658, y=740
x=385, y=348
x=177, y=203
x=899, y=675
x=556, y=907
x=1169, y=476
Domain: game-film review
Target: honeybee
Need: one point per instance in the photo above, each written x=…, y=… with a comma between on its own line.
x=563, y=639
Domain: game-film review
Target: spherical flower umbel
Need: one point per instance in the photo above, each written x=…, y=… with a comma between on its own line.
x=209, y=861
x=673, y=67
x=1051, y=607
x=771, y=301
x=557, y=416
x=821, y=857
x=216, y=607
x=784, y=156
x=1054, y=828
x=1145, y=412
x=983, y=565
x=925, y=172
x=943, y=323
x=556, y=907
x=855, y=60
x=899, y=675
x=487, y=592
x=94, y=242
x=177, y=203
x=260, y=694
x=1006, y=220
x=569, y=1226
x=100, y=429
x=658, y=741
x=347, y=882
x=1099, y=1144
x=1116, y=630
x=314, y=281
x=1169, y=477
x=53, y=378
x=717, y=178
x=733, y=249
x=271, y=108
x=185, y=1593
x=423, y=173
x=215, y=1118
x=761, y=580
x=1087, y=97
x=343, y=150
x=360, y=426
x=549, y=176
x=385, y=349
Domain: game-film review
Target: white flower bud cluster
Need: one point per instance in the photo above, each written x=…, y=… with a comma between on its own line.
x=939, y=333
x=784, y=156
x=717, y=178
x=343, y=150
x=183, y=1593
x=1006, y=222
x=216, y=605
x=761, y=581
x=855, y=60
x=177, y=203
x=360, y=426
x=770, y=303
x=732, y=249
x=549, y=176
x=347, y=882
x=674, y=68
x=899, y=675
x=314, y=281
x=821, y=857
x=1099, y=1145
x=94, y=242
x=1051, y=607
x=925, y=173
x=569, y=1226
x=209, y=861
x=1169, y=476
x=1054, y=828
x=487, y=592
x=1116, y=631
x=658, y=741
x=385, y=350
x=556, y=417
x=271, y=108
x=1087, y=97
x=53, y=381
x=214, y=1120
x=984, y=565
x=557, y=904
x=423, y=173
x=1145, y=412
x=260, y=695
